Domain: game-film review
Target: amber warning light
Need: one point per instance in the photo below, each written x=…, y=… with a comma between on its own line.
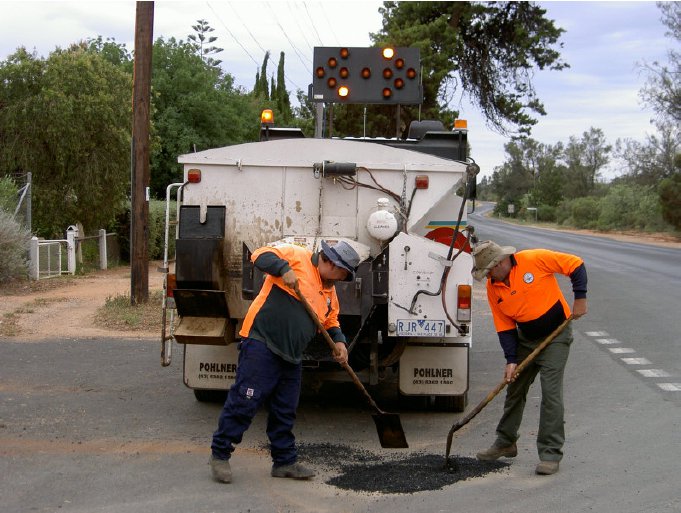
x=267, y=117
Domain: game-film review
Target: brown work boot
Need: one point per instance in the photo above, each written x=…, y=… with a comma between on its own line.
x=221, y=470
x=547, y=468
x=294, y=471
x=496, y=451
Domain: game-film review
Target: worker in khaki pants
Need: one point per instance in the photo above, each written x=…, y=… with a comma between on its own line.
x=528, y=305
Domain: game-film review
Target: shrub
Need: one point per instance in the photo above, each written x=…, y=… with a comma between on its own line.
x=157, y=219
x=581, y=212
x=13, y=249
x=8, y=194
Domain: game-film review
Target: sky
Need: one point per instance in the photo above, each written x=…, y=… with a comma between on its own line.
x=605, y=44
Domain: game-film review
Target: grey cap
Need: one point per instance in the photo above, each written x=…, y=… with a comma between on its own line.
x=342, y=255
x=486, y=255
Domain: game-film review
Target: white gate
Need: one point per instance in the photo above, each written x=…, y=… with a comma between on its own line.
x=49, y=258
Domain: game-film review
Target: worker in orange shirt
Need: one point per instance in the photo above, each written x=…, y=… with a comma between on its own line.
x=275, y=332
x=528, y=305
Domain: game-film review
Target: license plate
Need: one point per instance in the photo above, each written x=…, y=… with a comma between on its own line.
x=420, y=328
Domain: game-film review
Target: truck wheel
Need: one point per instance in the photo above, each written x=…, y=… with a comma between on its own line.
x=210, y=396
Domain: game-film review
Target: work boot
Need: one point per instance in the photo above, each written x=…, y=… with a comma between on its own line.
x=496, y=451
x=295, y=471
x=221, y=470
x=547, y=468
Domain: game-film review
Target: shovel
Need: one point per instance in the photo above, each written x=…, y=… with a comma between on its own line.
x=461, y=423
x=388, y=425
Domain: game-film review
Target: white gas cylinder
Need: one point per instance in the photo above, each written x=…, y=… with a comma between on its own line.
x=382, y=224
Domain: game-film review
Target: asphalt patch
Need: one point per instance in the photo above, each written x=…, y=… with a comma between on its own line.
x=366, y=471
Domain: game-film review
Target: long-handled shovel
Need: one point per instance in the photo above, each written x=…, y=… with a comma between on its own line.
x=388, y=425
x=458, y=425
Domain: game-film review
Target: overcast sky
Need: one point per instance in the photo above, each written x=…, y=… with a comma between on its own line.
x=604, y=43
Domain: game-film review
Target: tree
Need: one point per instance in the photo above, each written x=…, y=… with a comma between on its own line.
x=281, y=95
x=650, y=162
x=202, y=41
x=670, y=198
x=67, y=120
x=194, y=107
x=585, y=158
x=488, y=51
x=663, y=91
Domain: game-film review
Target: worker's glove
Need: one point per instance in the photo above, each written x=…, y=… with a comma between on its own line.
x=290, y=279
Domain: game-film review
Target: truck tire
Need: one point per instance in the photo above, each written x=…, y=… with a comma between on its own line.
x=210, y=396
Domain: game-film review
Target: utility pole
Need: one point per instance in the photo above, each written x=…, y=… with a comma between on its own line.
x=139, y=216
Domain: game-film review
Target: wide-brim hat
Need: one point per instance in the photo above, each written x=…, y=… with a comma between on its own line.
x=342, y=255
x=486, y=255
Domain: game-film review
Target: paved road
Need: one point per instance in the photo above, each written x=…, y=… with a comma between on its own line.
x=98, y=426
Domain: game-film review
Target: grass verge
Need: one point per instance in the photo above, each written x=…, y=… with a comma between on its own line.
x=117, y=313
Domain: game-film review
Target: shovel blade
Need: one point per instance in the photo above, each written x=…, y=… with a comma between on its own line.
x=390, y=432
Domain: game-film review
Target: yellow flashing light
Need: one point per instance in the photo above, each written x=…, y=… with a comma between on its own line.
x=267, y=117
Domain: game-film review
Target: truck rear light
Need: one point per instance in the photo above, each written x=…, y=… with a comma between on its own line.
x=460, y=124
x=463, y=303
x=171, y=284
x=422, y=181
x=194, y=175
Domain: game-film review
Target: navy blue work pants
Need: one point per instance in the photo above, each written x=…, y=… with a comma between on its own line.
x=261, y=377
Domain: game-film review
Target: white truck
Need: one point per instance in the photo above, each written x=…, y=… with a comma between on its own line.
x=399, y=202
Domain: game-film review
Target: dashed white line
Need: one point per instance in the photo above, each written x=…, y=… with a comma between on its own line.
x=607, y=341
x=636, y=361
x=647, y=373
x=653, y=373
x=670, y=387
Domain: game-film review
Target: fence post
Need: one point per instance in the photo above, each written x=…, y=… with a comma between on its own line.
x=71, y=250
x=34, y=259
x=102, y=249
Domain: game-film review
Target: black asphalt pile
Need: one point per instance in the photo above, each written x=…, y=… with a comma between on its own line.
x=365, y=471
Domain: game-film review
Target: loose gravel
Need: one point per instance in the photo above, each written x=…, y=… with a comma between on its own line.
x=366, y=471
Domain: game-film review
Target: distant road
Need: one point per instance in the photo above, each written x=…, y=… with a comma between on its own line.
x=634, y=294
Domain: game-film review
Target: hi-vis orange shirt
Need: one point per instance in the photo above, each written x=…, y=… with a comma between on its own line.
x=276, y=316
x=533, y=302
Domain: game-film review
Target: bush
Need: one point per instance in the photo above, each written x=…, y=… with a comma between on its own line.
x=157, y=219
x=579, y=212
x=8, y=194
x=13, y=249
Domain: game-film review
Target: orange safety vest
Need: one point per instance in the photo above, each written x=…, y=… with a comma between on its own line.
x=323, y=300
x=533, y=288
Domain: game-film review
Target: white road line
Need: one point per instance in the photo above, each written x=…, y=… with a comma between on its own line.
x=653, y=373
x=670, y=387
x=621, y=350
x=636, y=361
x=597, y=333
x=607, y=341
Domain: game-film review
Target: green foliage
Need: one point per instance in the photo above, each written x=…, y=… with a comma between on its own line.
x=581, y=212
x=156, y=231
x=13, y=248
x=8, y=195
x=485, y=50
x=670, y=200
x=195, y=107
x=203, y=41
x=67, y=120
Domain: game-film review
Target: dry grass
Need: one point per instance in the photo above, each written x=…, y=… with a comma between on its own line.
x=9, y=323
x=118, y=314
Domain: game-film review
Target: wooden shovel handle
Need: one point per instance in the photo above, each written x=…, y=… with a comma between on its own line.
x=332, y=346
x=528, y=359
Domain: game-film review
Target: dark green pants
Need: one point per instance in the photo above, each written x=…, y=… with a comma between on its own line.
x=550, y=365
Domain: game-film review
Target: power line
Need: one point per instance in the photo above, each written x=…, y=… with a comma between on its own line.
x=321, y=6
x=300, y=29
x=231, y=34
x=295, y=49
x=313, y=25
x=258, y=64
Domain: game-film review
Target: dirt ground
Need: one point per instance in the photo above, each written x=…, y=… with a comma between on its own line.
x=66, y=307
